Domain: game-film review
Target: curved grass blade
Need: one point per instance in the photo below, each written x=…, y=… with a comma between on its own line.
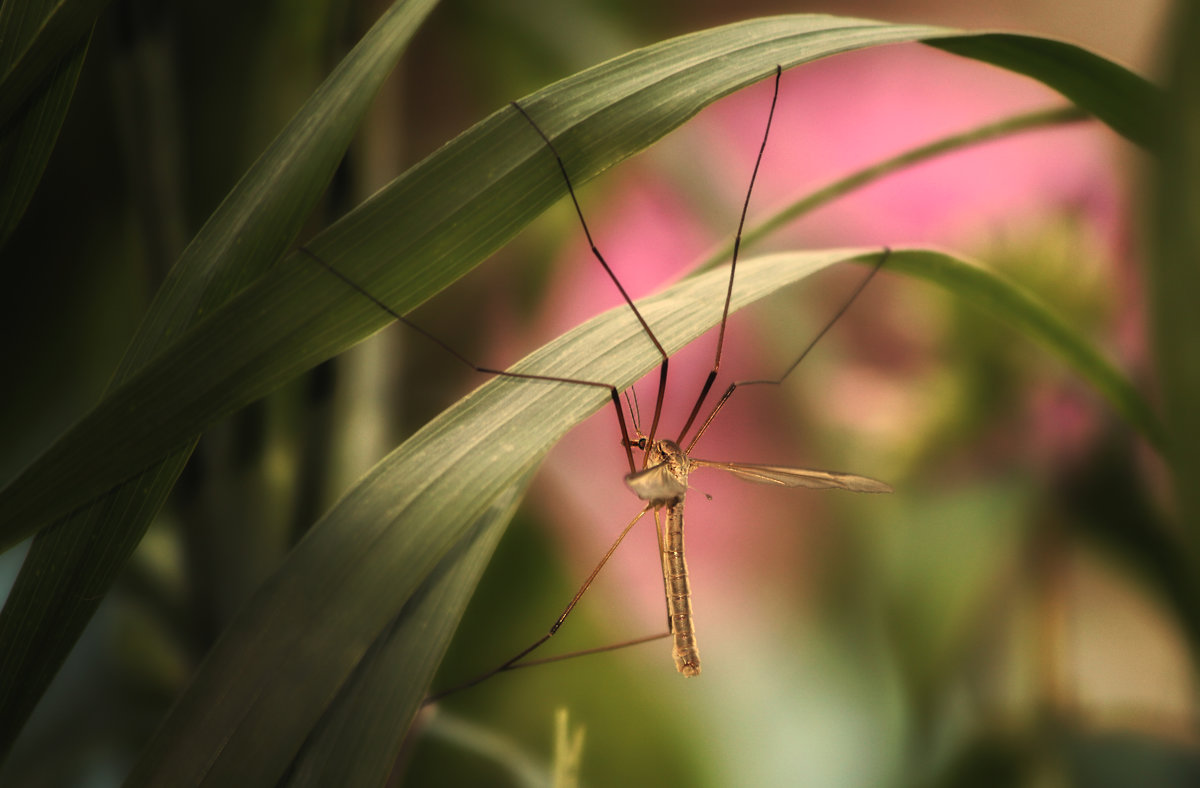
x=265, y=685
x=290, y=653
x=1128, y=103
x=988, y=291
x=440, y=219
x=358, y=738
x=42, y=48
x=71, y=565
x=34, y=46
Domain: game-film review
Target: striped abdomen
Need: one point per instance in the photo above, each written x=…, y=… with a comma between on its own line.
x=679, y=595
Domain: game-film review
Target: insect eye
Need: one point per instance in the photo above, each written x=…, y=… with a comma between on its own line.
x=641, y=444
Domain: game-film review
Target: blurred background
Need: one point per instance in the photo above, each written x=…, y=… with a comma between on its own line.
x=988, y=621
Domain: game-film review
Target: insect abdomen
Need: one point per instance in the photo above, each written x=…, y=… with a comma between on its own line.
x=679, y=596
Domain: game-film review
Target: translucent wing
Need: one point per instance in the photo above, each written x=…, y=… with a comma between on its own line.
x=797, y=477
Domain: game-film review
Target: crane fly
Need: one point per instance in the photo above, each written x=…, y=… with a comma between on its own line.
x=663, y=485
x=661, y=481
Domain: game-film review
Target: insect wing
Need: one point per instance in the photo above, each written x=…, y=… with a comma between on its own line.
x=798, y=477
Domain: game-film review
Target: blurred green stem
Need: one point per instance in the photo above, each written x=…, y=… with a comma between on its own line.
x=1174, y=276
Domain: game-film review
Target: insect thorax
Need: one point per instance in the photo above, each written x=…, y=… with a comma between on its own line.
x=664, y=481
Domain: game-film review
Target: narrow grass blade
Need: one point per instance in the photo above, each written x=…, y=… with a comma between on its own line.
x=289, y=655
x=42, y=48
x=1128, y=103
x=71, y=565
x=270, y=679
x=991, y=293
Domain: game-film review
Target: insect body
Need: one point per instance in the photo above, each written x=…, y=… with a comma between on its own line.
x=663, y=485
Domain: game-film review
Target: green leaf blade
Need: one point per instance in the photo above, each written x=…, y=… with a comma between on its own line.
x=283, y=661
x=995, y=295
x=71, y=565
x=35, y=39
x=363, y=562
x=42, y=49
x=1128, y=103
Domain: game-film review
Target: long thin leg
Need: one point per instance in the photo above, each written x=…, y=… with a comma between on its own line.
x=529, y=663
x=612, y=390
x=513, y=662
x=662, y=374
x=777, y=381
x=737, y=242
